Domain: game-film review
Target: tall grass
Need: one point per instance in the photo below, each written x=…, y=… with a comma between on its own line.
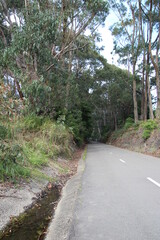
x=31, y=142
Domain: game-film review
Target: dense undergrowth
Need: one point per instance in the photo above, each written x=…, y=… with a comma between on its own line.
x=29, y=143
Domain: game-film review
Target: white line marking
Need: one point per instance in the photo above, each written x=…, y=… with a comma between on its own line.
x=122, y=161
x=156, y=183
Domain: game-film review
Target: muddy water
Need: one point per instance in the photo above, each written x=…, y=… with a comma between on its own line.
x=33, y=223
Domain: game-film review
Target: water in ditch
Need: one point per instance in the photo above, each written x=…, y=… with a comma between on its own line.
x=33, y=223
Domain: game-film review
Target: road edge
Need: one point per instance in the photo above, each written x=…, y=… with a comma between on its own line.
x=60, y=226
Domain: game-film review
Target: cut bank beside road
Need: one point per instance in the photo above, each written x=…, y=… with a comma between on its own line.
x=142, y=137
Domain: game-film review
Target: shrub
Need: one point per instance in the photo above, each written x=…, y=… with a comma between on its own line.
x=148, y=127
x=128, y=123
x=146, y=134
x=12, y=165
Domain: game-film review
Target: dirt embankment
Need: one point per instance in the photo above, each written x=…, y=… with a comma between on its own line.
x=133, y=139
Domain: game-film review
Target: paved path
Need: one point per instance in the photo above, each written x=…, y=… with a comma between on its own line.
x=119, y=197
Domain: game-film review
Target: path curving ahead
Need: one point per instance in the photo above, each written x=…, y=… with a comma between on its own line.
x=119, y=197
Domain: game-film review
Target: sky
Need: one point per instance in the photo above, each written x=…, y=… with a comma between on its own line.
x=107, y=40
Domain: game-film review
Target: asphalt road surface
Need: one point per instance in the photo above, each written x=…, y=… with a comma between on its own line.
x=119, y=198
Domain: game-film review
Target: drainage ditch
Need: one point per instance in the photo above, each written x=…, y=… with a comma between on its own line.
x=32, y=224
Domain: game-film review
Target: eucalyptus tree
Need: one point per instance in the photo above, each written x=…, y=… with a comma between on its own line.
x=111, y=98
x=127, y=38
x=43, y=48
x=39, y=40
x=137, y=40
x=153, y=14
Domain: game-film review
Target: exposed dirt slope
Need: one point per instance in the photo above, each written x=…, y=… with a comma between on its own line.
x=133, y=139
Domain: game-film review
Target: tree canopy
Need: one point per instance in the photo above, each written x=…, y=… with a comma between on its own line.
x=51, y=66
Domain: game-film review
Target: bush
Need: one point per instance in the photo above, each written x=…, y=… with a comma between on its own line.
x=76, y=126
x=146, y=134
x=148, y=127
x=128, y=123
x=12, y=165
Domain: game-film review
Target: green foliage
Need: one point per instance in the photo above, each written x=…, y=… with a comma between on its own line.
x=106, y=132
x=84, y=154
x=58, y=139
x=37, y=93
x=148, y=127
x=31, y=122
x=3, y=132
x=31, y=142
x=146, y=134
x=12, y=162
x=76, y=125
x=35, y=156
x=128, y=123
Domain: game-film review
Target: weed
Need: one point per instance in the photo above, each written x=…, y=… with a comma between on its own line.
x=31, y=123
x=35, y=157
x=84, y=154
x=3, y=132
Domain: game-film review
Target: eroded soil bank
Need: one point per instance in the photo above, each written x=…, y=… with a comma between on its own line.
x=133, y=140
x=40, y=197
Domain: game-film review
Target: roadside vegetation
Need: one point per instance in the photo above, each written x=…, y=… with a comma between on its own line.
x=142, y=136
x=57, y=90
x=29, y=143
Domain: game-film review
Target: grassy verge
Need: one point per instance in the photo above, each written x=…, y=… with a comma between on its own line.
x=84, y=154
x=30, y=143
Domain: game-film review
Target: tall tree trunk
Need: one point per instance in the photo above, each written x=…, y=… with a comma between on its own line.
x=115, y=121
x=155, y=62
x=135, y=96
x=145, y=99
x=144, y=83
x=68, y=79
x=143, y=90
x=134, y=56
x=149, y=90
x=158, y=87
x=19, y=89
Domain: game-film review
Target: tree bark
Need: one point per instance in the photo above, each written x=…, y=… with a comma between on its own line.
x=135, y=96
x=134, y=56
x=143, y=89
x=155, y=62
x=149, y=90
